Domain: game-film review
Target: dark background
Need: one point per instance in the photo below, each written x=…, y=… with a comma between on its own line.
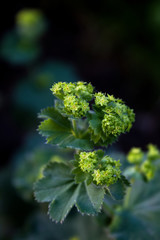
x=113, y=44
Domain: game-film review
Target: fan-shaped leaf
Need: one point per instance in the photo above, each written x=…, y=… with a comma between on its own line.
x=58, y=187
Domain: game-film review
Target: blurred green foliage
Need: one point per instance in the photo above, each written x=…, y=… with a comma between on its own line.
x=139, y=216
x=30, y=23
x=31, y=94
x=21, y=45
x=127, y=33
x=17, y=50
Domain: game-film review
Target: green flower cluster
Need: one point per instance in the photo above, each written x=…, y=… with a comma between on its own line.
x=112, y=125
x=74, y=97
x=110, y=172
x=118, y=118
x=107, y=116
x=88, y=161
x=103, y=170
x=100, y=99
x=135, y=156
x=75, y=106
x=153, y=152
x=148, y=169
x=144, y=162
x=113, y=118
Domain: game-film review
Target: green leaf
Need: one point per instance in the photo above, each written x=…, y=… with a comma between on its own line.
x=131, y=172
x=125, y=181
x=60, y=207
x=58, y=187
x=89, y=180
x=28, y=169
x=56, y=134
x=80, y=177
x=53, y=114
x=117, y=190
x=100, y=154
x=57, y=180
x=77, y=143
x=84, y=204
x=141, y=209
x=96, y=196
x=95, y=123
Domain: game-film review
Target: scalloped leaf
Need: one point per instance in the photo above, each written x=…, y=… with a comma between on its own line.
x=56, y=180
x=117, y=190
x=77, y=143
x=57, y=130
x=95, y=123
x=125, y=181
x=96, y=196
x=58, y=187
x=60, y=207
x=80, y=176
x=52, y=113
x=84, y=204
x=54, y=132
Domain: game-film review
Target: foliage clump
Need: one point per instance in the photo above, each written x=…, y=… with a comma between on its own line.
x=86, y=121
x=108, y=117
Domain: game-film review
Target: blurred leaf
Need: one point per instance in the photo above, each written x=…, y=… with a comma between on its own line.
x=56, y=71
x=28, y=169
x=31, y=99
x=38, y=226
x=38, y=83
x=141, y=212
x=17, y=50
x=30, y=160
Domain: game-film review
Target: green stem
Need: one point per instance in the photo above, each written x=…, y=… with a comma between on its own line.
x=74, y=124
x=85, y=133
x=127, y=197
x=128, y=193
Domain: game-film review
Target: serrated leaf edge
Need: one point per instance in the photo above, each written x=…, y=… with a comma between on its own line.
x=101, y=205
x=74, y=202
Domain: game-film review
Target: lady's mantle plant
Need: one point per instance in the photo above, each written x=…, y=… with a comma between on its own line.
x=143, y=164
x=86, y=121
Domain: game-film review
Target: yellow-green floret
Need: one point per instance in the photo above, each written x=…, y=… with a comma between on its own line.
x=104, y=171
x=135, y=156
